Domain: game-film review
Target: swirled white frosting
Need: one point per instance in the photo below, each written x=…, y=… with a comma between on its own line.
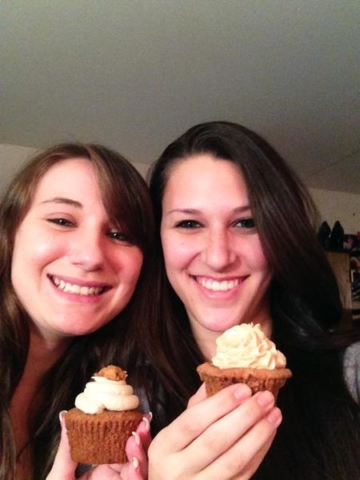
x=107, y=394
x=246, y=346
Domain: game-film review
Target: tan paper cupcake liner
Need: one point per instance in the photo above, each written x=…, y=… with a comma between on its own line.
x=216, y=379
x=95, y=441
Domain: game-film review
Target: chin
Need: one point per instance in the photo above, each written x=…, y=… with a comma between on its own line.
x=218, y=325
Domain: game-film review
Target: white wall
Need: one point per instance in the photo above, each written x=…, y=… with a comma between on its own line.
x=333, y=206
x=13, y=156
x=341, y=206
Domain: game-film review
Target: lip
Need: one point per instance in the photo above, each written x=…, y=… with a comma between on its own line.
x=80, y=288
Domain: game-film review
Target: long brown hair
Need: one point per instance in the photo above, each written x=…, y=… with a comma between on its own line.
x=305, y=307
x=126, y=199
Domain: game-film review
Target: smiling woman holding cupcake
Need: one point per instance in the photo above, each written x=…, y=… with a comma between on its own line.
x=237, y=237
x=76, y=231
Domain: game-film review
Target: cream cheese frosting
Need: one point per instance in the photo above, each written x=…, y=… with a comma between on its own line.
x=103, y=393
x=246, y=346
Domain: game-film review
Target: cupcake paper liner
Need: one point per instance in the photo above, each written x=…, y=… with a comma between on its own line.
x=216, y=379
x=100, y=438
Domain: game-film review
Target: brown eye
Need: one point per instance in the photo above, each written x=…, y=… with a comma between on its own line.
x=188, y=224
x=119, y=236
x=61, y=221
x=245, y=223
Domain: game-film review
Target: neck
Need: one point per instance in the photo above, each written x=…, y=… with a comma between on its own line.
x=43, y=353
x=207, y=343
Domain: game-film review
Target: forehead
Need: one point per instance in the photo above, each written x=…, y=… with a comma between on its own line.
x=74, y=176
x=204, y=177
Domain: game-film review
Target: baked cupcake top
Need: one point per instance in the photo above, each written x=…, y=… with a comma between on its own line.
x=107, y=391
x=246, y=346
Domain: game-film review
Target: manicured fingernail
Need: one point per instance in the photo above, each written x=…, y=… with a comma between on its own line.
x=135, y=463
x=147, y=423
x=242, y=392
x=264, y=398
x=275, y=416
x=61, y=414
x=137, y=438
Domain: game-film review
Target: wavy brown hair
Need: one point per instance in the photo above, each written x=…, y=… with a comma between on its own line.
x=126, y=200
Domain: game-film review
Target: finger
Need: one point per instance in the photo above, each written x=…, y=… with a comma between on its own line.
x=198, y=396
x=64, y=467
x=257, y=459
x=143, y=431
x=137, y=447
x=246, y=473
x=112, y=472
x=197, y=418
x=220, y=437
x=243, y=459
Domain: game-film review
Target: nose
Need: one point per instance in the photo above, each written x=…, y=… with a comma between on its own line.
x=218, y=252
x=87, y=251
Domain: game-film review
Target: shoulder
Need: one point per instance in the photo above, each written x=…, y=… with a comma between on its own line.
x=351, y=368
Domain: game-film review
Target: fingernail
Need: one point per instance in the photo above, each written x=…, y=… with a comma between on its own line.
x=264, y=398
x=135, y=463
x=275, y=416
x=137, y=438
x=150, y=416
x=61, y=414
x=242, y=392
x=147, y=423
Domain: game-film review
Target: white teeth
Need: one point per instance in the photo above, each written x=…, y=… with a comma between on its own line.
x=216, y=285
x=80, y=290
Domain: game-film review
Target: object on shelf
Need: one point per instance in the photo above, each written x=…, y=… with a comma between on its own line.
x=352, y=242
x=336, y=241
x=323, y=234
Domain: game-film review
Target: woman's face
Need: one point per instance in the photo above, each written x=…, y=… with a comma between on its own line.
x=213, y=255
x=72, y=270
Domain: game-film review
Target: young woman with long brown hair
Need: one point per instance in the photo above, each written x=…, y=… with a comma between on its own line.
x=76, y=259
x=237, y=239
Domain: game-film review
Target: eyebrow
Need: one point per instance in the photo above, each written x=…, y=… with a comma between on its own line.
x=195, y=211
x=67, y=201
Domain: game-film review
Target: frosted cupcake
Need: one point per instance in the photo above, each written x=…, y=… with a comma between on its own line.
x=105, y=416
x=245, y=355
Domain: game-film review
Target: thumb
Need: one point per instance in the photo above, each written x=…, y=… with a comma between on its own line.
x=64, y=467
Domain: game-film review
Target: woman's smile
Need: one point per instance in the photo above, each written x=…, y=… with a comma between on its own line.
x=79, y=288
x=218, y=285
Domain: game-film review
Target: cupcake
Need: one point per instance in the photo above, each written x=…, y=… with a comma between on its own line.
x=245, y=355
x=104, y=418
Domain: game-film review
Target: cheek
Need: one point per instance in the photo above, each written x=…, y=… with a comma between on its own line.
x=261, y=262
x=256, y=258
x=30, y=255
x=30, y=250
x=129, y=264
x=178, y=252
x=35, y=244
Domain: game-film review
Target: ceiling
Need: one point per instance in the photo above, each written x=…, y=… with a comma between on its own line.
x=134, y=74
